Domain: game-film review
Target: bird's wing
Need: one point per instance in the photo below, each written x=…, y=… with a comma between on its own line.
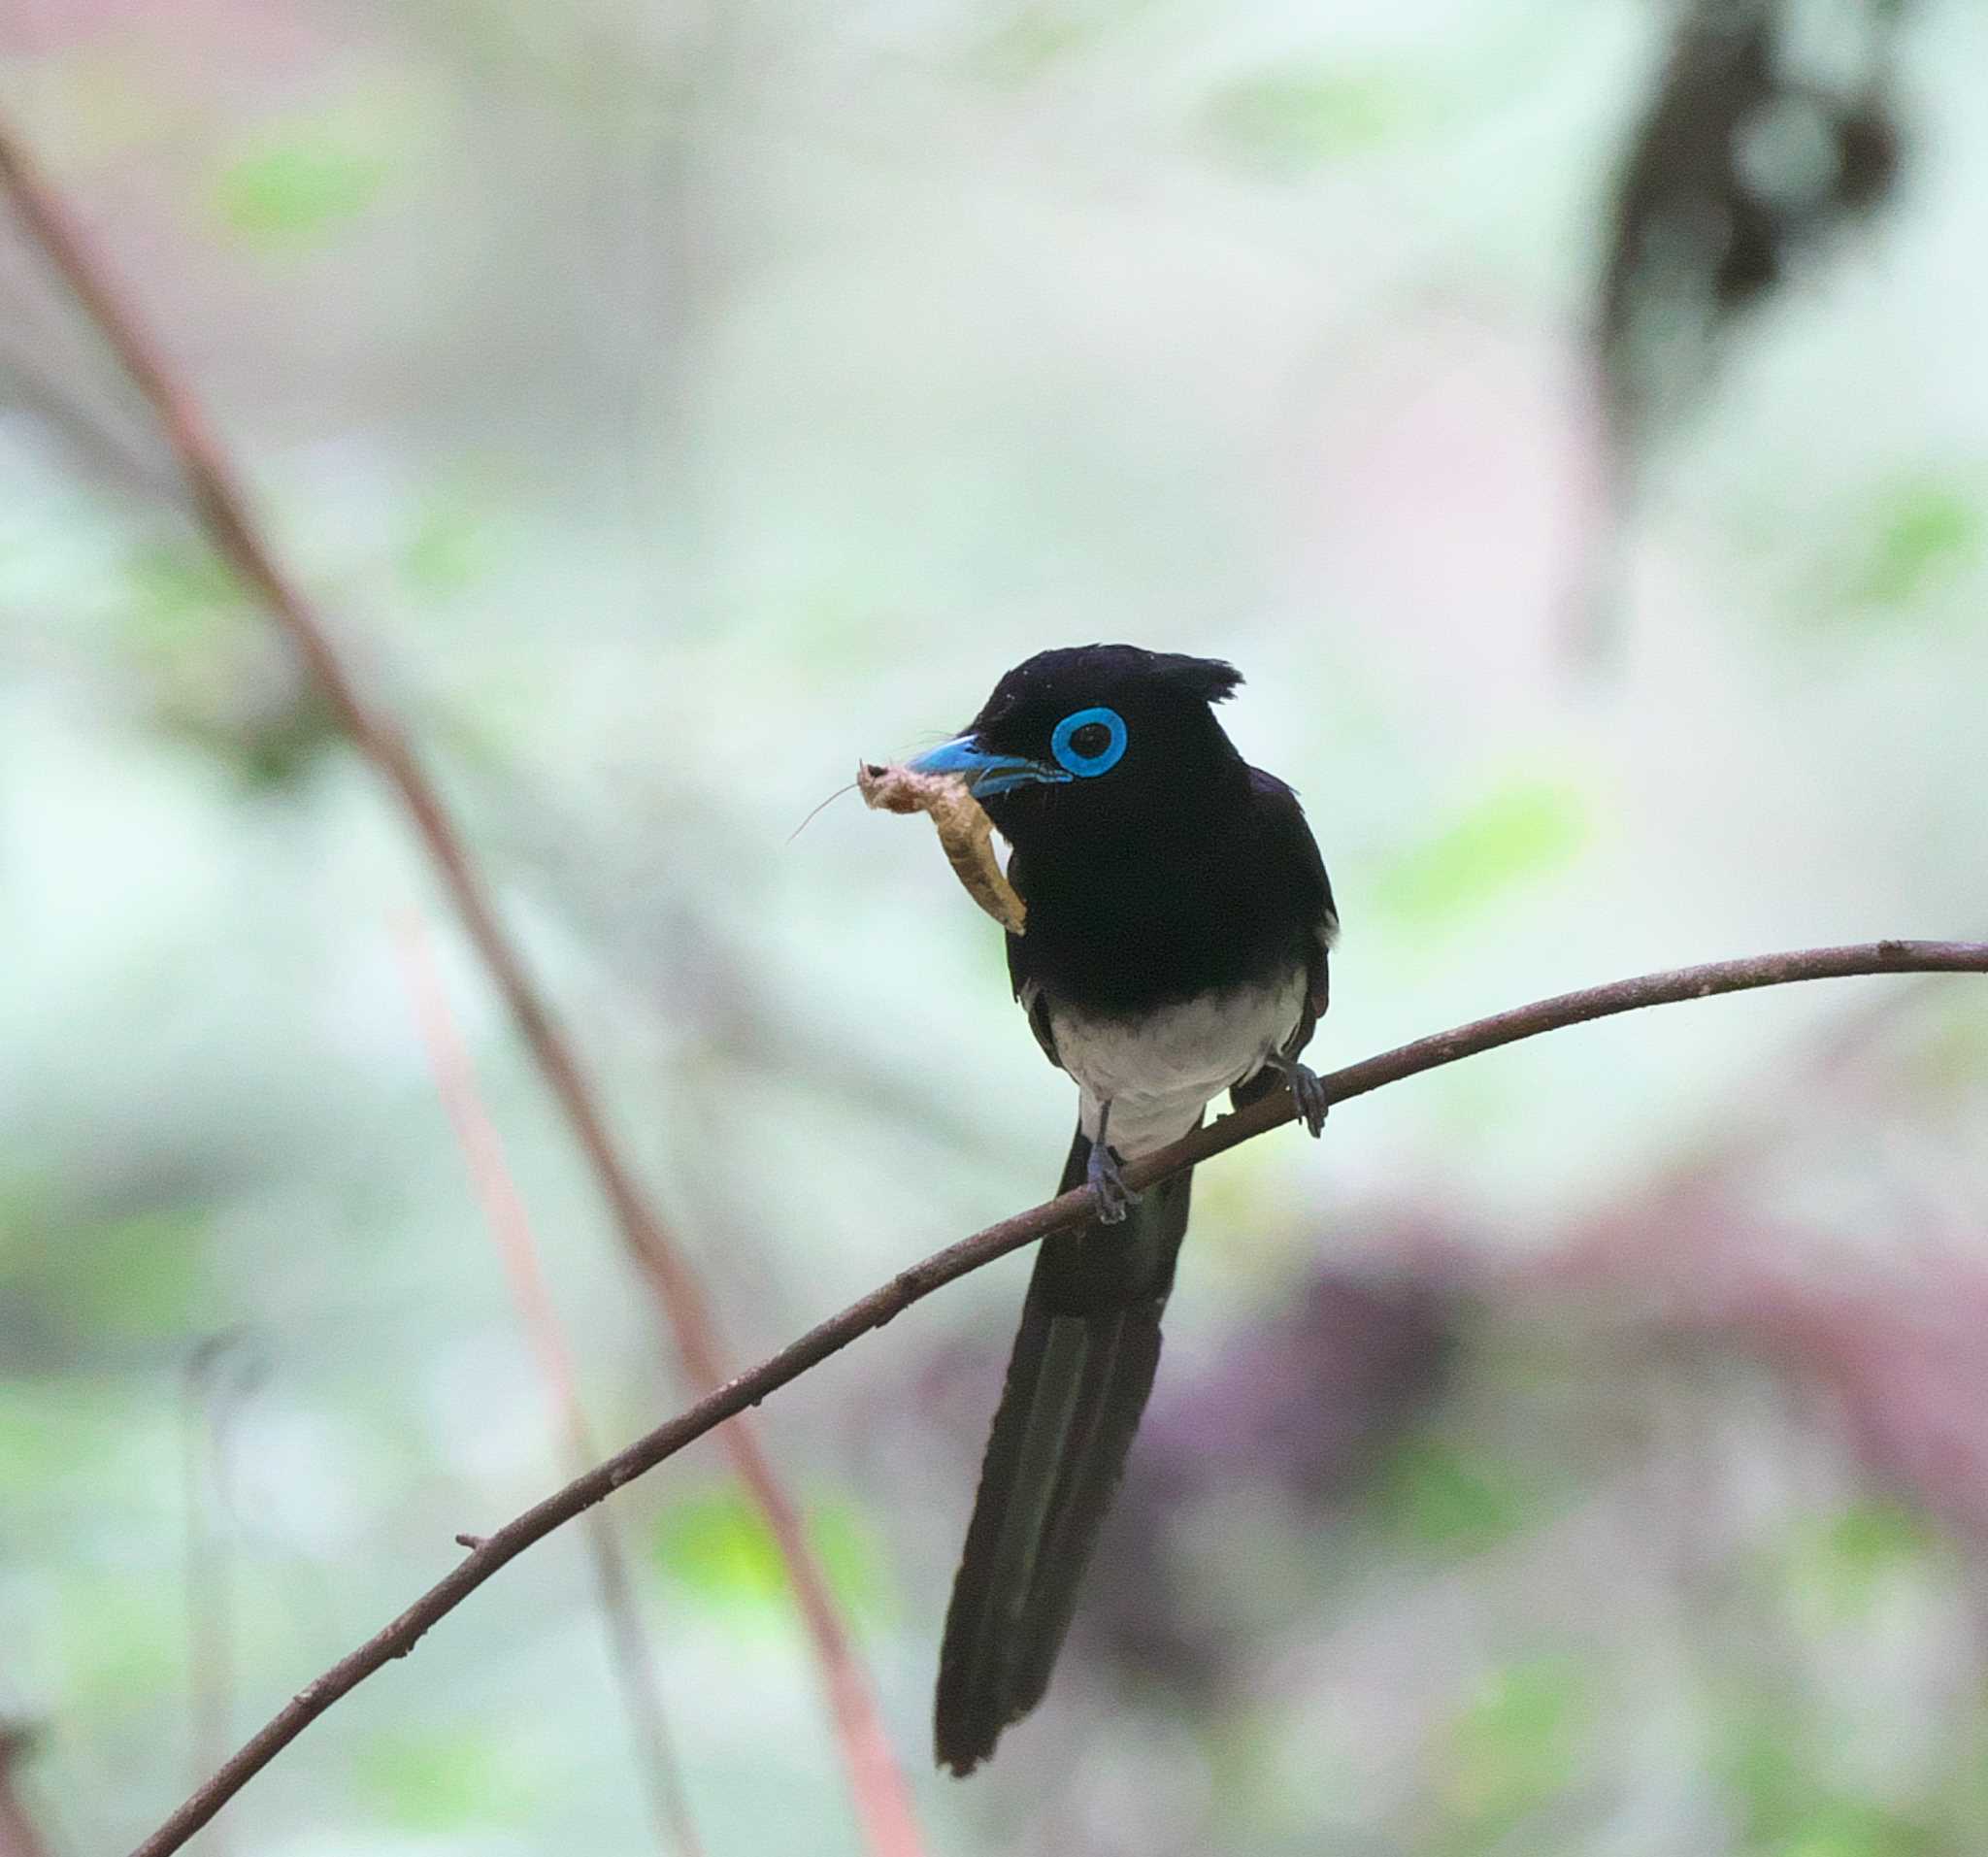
x=1027, y=988
x=1291, y=847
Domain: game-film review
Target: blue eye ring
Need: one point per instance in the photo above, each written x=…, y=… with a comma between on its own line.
x=1087, y=766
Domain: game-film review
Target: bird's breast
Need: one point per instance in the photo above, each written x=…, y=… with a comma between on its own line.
x=1160, y=1067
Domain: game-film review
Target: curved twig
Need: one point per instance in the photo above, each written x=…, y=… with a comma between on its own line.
x=942, y=1268
x=226, y=514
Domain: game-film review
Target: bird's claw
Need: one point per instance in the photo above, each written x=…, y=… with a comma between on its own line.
x=1309, y=1097
x=1112, y=1198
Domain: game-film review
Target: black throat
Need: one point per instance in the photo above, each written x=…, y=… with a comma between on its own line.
x=1187, y=887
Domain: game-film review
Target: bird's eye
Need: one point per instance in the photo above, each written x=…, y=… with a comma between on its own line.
x=1089, y=741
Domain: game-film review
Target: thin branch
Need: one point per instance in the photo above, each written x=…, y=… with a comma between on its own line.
x=912, y=1285
x=225, y=510
x=511, y=1230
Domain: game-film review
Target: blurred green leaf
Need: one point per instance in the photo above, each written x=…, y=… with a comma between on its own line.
x=448, y=550
x=1873, y=1538
x=1288, y=121
x=849, y=1556
x=1032, y=37
x=119, y=1636
x=1514, y=1748
x=1435, y=1497
x=1952, y=1055
x=439, y=1779
x=1028, y=40
x=26, y=1203
x=1786, y=1813
x=1923, y=530
x=1853, y=1828
x=1848, y=1562
x=1762, y=1770
x=303, y=179
x=718, y=1544
x=1513, y=835
x=54, y=1430
x=181, y=595
x=142, y=1276
x=221, y=678
x=145, y=1275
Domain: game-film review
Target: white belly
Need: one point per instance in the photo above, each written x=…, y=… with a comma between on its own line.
x=1158, y=1073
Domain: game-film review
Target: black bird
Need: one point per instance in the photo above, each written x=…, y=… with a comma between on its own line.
x=1178, y=919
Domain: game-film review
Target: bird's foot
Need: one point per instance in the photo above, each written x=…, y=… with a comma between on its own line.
x=1307, y=1092
x=1106, y=1181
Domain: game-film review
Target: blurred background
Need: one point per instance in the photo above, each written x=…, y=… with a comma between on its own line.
x=1569, y=417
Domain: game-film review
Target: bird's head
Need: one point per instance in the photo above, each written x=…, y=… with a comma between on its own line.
x=1095, y=739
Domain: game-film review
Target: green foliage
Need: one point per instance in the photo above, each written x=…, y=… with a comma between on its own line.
x=1951, y=1056
x=1848, y=1562
x=119, y=1637
x=1034, y=36
x=1786, y=1811
x=145, y=1275
x=1433, y=1497
x=432, y=1779
x=1512, y=1749
x=718, y=1545
x=1516, y=834
x=1287, y=120
x=50, y=1428
x=849, y=1556
x=1026, y=42
x=139, y=1276
x=448, y=550
x=1925, y=531
x=1869, y=1540
x=301, y=179
x=26, y=1204
x=181, y=596
x=222, y=676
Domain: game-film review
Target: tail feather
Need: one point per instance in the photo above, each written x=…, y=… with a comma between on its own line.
x=1077, y=1381
x=1118, y=1377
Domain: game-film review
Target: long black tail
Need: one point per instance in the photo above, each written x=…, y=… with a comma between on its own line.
x=1077, y=1381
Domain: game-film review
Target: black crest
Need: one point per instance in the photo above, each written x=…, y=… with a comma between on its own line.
x=1210, y=679
x=1103, y=674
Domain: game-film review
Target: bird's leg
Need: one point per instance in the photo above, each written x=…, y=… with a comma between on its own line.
x=1105, y=1179
x=1308, y=1093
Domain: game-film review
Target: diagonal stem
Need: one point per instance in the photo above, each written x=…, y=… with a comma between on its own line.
x=226, y=514
x=914, y=1284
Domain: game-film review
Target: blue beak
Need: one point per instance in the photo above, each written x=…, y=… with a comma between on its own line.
x=986, y=772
